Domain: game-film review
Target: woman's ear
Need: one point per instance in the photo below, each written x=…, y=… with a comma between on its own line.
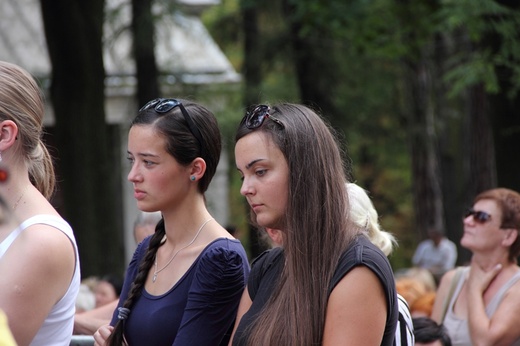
x=8, y=134
x=198, y=168
x=510, y=236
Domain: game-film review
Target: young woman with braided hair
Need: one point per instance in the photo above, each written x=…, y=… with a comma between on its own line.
x=184, y=283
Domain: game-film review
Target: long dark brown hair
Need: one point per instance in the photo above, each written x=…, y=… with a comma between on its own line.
x=184, y=147
x=316, y=228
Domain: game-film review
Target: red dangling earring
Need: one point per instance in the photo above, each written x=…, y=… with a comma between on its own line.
x=4, y=175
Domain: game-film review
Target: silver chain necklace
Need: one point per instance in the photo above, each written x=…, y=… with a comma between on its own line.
x=177, y=252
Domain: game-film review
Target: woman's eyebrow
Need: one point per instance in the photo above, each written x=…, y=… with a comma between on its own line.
x=253, y=162
x=143, y=154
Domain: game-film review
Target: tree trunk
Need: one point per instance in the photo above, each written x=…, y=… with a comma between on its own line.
x=451, y=131
x=482, y=173
x=253, y=54
x=423, y=112
x=505, y=119
x=252, y=73
x=504, y=114
x=426, y=171
x=316, y=67
x=143, y=48
x=89, y=179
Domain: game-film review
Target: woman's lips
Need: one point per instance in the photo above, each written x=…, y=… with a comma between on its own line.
x=138, y=194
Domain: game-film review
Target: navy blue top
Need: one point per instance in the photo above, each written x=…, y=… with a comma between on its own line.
x=267, y=268
x=200, y=309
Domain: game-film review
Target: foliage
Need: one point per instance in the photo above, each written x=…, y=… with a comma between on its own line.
x=484, y=22
x=366, y=96
x=371, y=39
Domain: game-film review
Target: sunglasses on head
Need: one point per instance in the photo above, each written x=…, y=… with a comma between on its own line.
x=478, y=215
x=162, y=106
x=256, y=117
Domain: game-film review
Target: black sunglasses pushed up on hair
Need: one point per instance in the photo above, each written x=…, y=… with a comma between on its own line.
x=161, y=106
x=478, y=215
x=256, y=117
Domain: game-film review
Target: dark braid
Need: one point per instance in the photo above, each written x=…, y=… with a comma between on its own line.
x=117, y=336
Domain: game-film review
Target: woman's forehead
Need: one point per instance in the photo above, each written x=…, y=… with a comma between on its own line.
x=487, y=205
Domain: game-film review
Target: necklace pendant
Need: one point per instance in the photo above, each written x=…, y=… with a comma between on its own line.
x=154, y=277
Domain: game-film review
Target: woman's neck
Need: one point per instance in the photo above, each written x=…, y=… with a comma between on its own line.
x=488, y=262
x=182, y=224
x=15, y=190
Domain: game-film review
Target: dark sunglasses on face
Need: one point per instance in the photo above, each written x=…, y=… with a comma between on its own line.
x=162, y=106
x=255, y=118
x=478, y=215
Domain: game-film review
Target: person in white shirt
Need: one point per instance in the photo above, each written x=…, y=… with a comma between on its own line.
x=438, y=254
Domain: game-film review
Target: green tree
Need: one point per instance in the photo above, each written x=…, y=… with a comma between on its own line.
x=426, y=92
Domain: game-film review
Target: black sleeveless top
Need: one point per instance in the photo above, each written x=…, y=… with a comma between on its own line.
x=267, y=267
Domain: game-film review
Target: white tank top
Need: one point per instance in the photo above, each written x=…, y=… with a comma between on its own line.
x=58, y=325
x=458, y=328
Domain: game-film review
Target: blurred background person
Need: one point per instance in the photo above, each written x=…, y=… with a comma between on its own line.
x=420, y=274
x=145, y=223
x=108, y=289
x=410, y=288
x=480, y=304
x=423, y=305
x=428, y=333
x=86, y=299
x=438, y=254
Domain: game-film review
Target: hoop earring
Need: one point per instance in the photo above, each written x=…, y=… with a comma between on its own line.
x=192, y=178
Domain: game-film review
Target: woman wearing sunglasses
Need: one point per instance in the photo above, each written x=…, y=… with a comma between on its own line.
x=184, y=283
x=300, y=293
x=480, y=304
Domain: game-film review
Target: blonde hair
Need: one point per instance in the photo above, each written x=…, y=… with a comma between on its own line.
x=364, y=215
x=22, y=101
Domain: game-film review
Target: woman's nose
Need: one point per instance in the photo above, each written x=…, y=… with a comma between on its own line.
x=246, y=188
x=133, y=175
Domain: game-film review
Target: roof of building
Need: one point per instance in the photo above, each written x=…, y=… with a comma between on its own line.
x=185, y=51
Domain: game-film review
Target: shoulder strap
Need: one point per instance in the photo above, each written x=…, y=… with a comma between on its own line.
x=50, y=220
x=453, y=284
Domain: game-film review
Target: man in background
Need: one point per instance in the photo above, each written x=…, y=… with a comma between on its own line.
x=437, y=254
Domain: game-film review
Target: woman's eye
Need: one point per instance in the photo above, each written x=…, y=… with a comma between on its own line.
x=261, y=172
x=130, y=159
x=148, y=163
